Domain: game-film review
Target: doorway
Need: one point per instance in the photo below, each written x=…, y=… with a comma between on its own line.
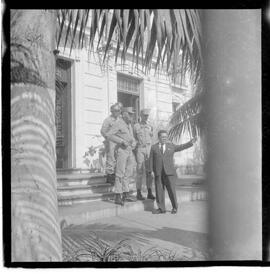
x=128, y=93
x=63, y=113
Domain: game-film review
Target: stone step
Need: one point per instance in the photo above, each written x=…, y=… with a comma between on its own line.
x=82, y=213
x=70, y=195
x=80, y=179
x=72, y=170
x=75, y=187
x=70, y=200
x=81, y=188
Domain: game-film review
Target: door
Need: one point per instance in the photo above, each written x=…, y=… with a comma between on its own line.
x=63, y=113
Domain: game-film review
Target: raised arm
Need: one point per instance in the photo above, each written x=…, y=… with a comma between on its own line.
x=184, y=146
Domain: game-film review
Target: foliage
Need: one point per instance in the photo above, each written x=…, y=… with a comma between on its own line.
x=189, y=117
x=94, y=165
x=95, y=249
x=164, y=36
x=169, y=39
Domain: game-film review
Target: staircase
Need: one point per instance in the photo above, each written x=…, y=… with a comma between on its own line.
x=84, y=197
x=76, y=186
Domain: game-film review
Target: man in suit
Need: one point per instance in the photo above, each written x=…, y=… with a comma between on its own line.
x=162, y=169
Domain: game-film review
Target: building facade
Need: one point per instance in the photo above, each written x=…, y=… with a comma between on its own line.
x=85, y=91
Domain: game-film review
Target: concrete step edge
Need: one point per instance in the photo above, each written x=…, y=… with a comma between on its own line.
x=82, y=186
x=117, y=210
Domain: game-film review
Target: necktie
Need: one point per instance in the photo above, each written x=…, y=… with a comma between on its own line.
x=162, y=148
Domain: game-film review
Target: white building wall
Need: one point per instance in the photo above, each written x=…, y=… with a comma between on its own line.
x=95, y=90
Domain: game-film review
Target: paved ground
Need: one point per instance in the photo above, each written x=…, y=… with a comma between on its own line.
x=183, y=234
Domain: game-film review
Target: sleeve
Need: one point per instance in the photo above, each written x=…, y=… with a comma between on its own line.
x=151, y=159
x=151, y=131
x=105, y=128
x=183, y=146
x=135, y=132
x=111, y=134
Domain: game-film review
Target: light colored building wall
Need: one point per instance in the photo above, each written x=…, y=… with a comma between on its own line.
x=95, y=90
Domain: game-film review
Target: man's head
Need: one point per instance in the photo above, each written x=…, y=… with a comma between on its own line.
x=120, y=105
x=145, y=114
x=115, y=110
x=162, y=136
x=127, y=114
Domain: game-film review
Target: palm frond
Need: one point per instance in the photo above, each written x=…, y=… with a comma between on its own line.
x=188, y=118
x=168, y=31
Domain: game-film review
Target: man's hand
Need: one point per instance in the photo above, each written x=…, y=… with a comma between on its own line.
x=152, y=174
x=193, y=140
x=124, y=144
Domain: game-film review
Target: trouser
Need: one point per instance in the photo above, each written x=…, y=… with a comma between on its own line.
x=142, y=157
x=124, y=170
x=161, y=182
x=110, y=157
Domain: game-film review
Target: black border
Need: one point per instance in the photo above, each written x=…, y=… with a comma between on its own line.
x=6, y=169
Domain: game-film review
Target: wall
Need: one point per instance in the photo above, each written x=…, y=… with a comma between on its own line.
x=95, y=90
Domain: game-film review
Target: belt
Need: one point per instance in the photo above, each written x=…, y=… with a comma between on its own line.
x=147, y=145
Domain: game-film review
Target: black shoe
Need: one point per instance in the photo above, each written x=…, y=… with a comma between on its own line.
x=139, y=196
x=174, y=211
x=118, y=200
x=150, y=195
x=159, y=211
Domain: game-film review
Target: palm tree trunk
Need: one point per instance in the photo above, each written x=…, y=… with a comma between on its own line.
x=233, y=95
x=36, y=234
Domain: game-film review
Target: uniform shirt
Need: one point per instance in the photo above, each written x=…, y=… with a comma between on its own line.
x=107, y=125
x=121, y=131
x=143, y=133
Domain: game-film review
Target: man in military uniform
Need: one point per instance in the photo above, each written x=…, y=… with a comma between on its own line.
x=143, y=133
x=122, y=134
x=109, y=145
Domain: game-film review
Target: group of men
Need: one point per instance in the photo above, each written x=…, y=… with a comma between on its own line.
x=122, y=141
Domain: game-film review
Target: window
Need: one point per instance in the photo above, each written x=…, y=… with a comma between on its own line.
x=128, y=84
x=128, y=93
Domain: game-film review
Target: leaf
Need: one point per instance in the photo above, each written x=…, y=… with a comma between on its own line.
x=102, y=27
x=84, y=26
x=130, y=33
x=125, y=26
x=75, y=30
x=142, y=28
x=61, y=26
x=112, y=28
x=69, y=28
x=94, y=27
x=84, y=19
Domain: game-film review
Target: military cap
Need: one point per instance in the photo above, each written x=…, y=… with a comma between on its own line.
x=128, y=109
x=145, y=111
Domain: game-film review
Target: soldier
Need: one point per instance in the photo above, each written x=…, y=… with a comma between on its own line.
x=122, y=134
x=143, y=133
x=109, y=145
x=120, y=105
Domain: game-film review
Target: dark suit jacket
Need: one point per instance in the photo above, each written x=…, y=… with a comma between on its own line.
x=159, y=160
